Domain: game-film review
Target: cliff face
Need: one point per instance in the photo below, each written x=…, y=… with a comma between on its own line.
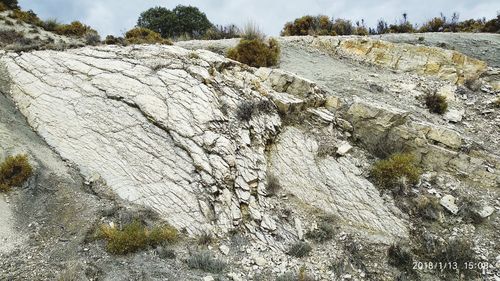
x=201, y=140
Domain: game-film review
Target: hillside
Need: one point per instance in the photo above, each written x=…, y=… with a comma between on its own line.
x=265, y=161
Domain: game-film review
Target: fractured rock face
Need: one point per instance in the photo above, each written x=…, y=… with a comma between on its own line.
x=331, y=185
x=445, y=64
x=161, y=125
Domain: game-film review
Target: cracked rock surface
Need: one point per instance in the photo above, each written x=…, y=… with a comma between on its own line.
x=160, y=126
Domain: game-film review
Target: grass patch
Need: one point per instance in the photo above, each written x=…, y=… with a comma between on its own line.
x=299, y=249
x=14, y=171
x=323, y=233
x=135, y=236
x=398, y=170
x=204, y=261
x=436, y=103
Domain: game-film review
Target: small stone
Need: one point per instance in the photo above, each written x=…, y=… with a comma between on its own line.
x=298, y=228
x=224, y=249
x=486, y=211
x=208, y=278
x=268, y=223
x=344, y=148
x=448, y=202
x=454, y=115
x=260, y=261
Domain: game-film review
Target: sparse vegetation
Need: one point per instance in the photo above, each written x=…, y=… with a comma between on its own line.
x=398, y=170
x=165, y=253
x=324, y=232
x=112, y=40
x=436, y=103
x=469, y=210
x=457, y=251
x=292, y=276
x=273, y=185
x=10, y=4
x=14, y=171
x=323, y=25
x=141, y=35
x=26, y=16
x=256, y=52
x=135, y=236
x=299, y=249
x=92, y=39
x=400, y=258
x=205, y=239
x=74, y=29
x=219, y=32
x=245, y=111
x=427, y=207
x=204, y=261
x=472, y=83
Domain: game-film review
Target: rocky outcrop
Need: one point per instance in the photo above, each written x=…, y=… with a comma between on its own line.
x=166, y=128
x=446, y=64
x=384, y=130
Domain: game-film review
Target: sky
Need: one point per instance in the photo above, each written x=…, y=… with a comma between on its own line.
x=117, y=16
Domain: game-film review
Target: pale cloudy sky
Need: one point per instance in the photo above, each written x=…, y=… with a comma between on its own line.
x=117, y=16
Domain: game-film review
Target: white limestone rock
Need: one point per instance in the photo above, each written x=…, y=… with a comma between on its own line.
x=448, y=202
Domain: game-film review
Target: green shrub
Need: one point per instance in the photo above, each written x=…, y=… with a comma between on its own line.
x=3, y=7
x=112, y=40
x=299, y=249
x=74, y=29
x=256, y=52
x=51, y=25
x=398, y=169
x=92, y=39
x=141, y=35
x=436, y=103
x=324, y=232
x=28, y=17
x=10, y=4
x=14, y=171
x=135, y=236
x=206, y=262
x=434, y=25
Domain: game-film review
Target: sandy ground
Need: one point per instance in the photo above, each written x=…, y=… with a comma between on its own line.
x=9, y=237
